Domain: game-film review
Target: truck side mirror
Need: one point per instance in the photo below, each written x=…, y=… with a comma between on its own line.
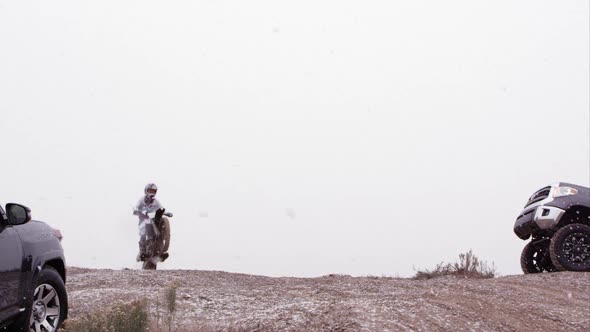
x=17, y=214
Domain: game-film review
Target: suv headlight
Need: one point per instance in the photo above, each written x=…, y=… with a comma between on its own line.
x=564, y=191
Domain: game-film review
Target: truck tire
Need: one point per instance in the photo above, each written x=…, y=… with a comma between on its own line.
x=570, y=248
x=49, y=305
x=535, y=257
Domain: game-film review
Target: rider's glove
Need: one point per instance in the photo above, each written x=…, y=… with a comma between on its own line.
x=140, y=214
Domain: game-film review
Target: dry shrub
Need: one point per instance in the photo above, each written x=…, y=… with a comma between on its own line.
x=129, y=317
x=468, y=266
x=171, y=304
x=169, y=307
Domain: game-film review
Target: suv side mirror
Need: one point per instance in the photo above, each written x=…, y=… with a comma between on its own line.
x=17, y=214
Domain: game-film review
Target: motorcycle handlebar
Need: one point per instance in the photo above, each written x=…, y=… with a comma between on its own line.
x=150, y=214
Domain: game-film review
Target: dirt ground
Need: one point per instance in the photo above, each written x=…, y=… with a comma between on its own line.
x=221, y=301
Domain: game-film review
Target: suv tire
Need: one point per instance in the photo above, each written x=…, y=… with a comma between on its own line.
x=49, y=305
x=535, y=257
x=570, y=248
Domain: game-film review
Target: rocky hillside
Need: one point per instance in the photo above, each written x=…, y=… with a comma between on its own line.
x=212, y=301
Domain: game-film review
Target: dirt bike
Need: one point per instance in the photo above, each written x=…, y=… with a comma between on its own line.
x=157, y=245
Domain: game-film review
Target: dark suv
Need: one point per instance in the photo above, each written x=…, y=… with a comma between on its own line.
x=32, y=273
x=557, y=219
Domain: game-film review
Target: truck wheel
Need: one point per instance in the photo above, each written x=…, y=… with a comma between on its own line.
x=535, y=258
x=570, y=248
x=49, y=307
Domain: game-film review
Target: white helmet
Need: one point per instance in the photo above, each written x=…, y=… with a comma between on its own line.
x=150, y=190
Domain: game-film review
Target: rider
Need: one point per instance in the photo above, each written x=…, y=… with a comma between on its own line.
x=147, y=204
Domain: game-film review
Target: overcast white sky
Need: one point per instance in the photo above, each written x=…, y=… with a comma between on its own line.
x=293, y=137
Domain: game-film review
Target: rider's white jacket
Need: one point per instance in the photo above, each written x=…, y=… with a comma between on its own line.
x=142, y=208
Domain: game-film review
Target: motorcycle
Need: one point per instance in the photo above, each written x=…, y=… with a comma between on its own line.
x=157, y=244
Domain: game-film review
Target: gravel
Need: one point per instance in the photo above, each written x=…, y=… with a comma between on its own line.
x=221, y=301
